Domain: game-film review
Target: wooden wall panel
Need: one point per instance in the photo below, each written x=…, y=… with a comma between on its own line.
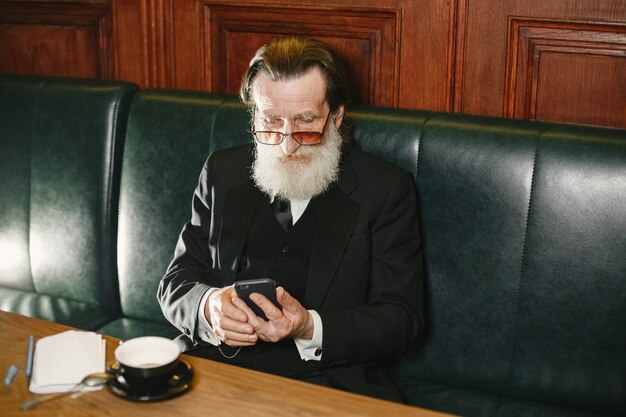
x=558, y=61
x=56, y=39
x=566, y=71
x=130, y=42
x=396, y=49
x=144, y=42
x=366, y=40
x=534, y=59
x=571, y=90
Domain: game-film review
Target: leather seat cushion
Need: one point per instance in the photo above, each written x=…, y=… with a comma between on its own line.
x=127, y=328
x=471, y=403
x=56, y=309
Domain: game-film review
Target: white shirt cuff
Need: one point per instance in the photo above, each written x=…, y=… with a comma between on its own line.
x=205, y=331
x=311, y=350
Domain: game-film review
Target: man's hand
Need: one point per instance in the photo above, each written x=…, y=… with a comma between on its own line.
x=293, y=321
x=229, y=323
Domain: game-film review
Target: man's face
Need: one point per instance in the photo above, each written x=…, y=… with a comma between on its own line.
x=292, y=170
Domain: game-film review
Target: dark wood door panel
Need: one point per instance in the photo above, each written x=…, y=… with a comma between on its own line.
x=49, y=50
x=582, y=88
x=365, y=39
x=559, y=61
x=566, y=71
x=56, y=39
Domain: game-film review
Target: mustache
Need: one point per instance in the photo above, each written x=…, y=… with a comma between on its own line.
x=295, y=157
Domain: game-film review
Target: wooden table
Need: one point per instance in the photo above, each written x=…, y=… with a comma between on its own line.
x=218, y=389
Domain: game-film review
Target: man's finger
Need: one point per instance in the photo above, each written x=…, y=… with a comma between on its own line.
x=228, y=324
x=287, y=302
x=271, y=311
x=234, y=312
x=283, y=297
x=239, y=339
x=241, y=305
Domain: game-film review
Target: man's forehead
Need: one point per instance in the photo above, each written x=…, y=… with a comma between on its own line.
x=303, y=93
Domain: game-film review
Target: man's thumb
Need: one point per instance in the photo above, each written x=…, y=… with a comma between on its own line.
x=283, y=298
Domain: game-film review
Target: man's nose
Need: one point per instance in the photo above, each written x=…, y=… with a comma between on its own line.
x=288, y=145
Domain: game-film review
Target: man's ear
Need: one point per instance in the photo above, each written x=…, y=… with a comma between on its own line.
x=339, y=115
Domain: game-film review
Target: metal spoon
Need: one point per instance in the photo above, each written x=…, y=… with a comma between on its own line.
x=91, y=380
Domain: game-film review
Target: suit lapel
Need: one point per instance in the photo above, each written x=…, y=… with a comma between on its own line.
x=336, y=221
x=240, y=204
x=338, y=215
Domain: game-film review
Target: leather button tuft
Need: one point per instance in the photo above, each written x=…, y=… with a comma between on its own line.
x=284, y=249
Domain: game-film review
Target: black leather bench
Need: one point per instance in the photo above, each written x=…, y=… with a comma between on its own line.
x=60, y=141
x=523, y=223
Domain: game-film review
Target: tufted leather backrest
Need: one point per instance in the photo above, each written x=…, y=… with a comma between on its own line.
x=522, y=223
x=170, y=135
x=58, y=171
x=523, y=227
x=524, y=233
x=569, y=338
x=473, y=183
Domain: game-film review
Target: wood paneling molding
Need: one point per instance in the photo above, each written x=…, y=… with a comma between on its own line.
x=367, y=39
x=457, y=39
x=157, y=31
x=566, y=71
x=55, y=38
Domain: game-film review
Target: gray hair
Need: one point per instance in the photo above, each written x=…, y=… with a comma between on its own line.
x=292, y=56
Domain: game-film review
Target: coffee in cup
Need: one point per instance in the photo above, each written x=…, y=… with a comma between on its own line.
x=148, y=363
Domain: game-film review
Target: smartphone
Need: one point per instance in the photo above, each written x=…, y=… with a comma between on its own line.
x=264, y=286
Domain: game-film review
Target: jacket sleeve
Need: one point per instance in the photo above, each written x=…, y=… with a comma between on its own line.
x=188, y=276
x=388, y=321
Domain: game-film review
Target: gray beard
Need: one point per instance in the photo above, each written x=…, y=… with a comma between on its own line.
x=306, y=174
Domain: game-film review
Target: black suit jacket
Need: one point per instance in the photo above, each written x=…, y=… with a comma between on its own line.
x=365, y=272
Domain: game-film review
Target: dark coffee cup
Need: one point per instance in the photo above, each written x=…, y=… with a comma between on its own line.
x=147, y=364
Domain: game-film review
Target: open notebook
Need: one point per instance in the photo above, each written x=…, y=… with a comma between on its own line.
x=62, y=360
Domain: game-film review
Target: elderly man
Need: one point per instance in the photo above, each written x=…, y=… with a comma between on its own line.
x=336, y=228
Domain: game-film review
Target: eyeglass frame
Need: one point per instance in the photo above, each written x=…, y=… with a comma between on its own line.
x=283, y=135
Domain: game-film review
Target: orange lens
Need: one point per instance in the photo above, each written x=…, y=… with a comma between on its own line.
x=307, y=138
